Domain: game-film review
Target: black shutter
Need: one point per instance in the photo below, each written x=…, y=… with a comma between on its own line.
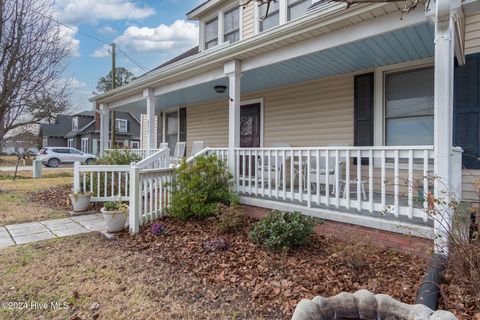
x=128, y=126
x=363, y=100
x=183, y=124
x=466, y=111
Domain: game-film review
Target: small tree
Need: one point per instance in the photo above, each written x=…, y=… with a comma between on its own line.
x=122, y=77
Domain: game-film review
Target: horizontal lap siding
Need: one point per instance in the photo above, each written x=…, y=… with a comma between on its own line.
x=472, y=34
x=316, y=113
x=208, y=123
x=248, y=21
x=469, y=180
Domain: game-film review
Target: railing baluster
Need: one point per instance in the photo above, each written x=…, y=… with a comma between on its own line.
x=396, y=186
x=425, y=183
x=150, y=195
x=383, y=182
x=250, y=171
x=145, y=201
x=255, y=167
x=277, y=164
x=262, y=171
x=269, y=173
x=292, y=175
x=119, y=184
x=284, y=178
x=309, y=182
x=105, y=174
x=300, y=175
x=84, y=186
x=370, y=179
x=244, y=170
x=347, y=179
x=337, y=178
x=410, y=184
x=359, y=181
x=318, y=176
x=237, y=175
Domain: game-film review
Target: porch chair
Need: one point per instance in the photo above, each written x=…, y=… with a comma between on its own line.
x=179, y=152
x=276, y=165
x=197, y=146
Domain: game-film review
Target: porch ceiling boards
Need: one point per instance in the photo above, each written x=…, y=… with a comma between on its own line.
x=407, y=44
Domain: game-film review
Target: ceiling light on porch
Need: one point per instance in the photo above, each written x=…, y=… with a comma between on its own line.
x=220, y=89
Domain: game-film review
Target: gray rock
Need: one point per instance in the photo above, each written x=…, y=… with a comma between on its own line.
x=365, y=305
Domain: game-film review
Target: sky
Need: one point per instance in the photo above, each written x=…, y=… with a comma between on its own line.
x=150, y=32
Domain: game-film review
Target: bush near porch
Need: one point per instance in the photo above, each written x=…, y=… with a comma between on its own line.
x=198, y=187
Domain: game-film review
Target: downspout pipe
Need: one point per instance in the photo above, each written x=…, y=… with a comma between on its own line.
x=429, y=291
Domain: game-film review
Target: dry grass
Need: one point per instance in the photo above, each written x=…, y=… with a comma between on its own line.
x=16, y=208
x=99, y=279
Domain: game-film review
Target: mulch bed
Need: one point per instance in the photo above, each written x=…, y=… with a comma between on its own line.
x=275, y=282
x=57, y=198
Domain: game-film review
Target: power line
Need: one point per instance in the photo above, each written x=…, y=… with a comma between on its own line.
x=93, y=38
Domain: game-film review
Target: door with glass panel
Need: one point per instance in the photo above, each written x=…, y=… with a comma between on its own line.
x=250, y=127
x=175, y=128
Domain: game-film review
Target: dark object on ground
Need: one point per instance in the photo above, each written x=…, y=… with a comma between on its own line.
x=429, y=291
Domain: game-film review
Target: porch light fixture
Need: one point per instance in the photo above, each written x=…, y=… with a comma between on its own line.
x=220, y=89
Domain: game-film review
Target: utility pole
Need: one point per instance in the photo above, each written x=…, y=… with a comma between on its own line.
x=114, y=122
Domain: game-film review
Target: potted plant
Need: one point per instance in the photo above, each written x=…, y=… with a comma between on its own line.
x=115, y=215
x=80, y=200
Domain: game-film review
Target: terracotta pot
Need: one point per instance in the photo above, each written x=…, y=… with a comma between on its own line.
x=364, y=305
x=115, y=220
x=80, y=201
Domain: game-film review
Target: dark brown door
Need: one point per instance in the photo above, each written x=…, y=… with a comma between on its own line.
x=250, y=126
x=249, y=136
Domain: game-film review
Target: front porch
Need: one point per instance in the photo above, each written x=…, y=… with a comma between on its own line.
x=353, y=125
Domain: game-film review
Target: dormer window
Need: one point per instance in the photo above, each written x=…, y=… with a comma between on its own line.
x=211, y=33
x=273, y=17
x=231, y=25
x=75, y=124
x=297, y=8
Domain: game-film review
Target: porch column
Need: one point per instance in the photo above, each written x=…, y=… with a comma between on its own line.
x=104, y=128
x=443, y=120
x=148, y=95
x=232, y=70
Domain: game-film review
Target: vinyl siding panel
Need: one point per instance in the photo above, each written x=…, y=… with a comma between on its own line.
x=208, y=123
x=472, y=34
x=143, y=131
x=316, y=113
x=248, y=21
x=469, y=179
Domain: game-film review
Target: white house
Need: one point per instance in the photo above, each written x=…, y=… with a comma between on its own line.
x=352, y=114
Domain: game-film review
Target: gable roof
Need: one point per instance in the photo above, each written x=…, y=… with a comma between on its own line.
x=73, y=133
x=62, y=125
x=186, y=54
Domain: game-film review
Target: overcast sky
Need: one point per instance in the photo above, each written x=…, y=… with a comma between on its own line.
x=150, y=32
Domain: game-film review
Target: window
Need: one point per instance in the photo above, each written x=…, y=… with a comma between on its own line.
x=409, y=107
x=231, y=25
x=297, y=8
x=65, y=151
x=45, y=141
x=175, y=127
x=84, y=146
x=71, y=143
x=75, y=123
x=211, y=33
x=273, y=17
x=135, y=144
x=121, y=125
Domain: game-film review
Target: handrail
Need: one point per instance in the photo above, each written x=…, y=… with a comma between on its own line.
x=162, y=156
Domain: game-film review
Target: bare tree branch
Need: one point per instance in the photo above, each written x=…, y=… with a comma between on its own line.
x=32, y=53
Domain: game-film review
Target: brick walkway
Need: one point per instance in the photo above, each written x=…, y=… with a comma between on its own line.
x=15, y=234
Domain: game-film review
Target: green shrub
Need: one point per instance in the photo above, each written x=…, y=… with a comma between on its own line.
x=230, y=218
x=199, y=186
x=119, y=157
x=281, y=230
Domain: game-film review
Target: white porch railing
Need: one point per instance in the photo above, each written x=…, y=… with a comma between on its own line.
x=159, y=159
x=106, y=183
x=387, y=180
x=141, y=153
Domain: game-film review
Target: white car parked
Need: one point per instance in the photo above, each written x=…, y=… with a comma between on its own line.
x=54, y=156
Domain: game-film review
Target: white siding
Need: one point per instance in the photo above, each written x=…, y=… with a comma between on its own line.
x=472, y=34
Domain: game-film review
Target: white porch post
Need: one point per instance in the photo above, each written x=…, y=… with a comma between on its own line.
x=149, y=96
x=104, y=128
x=232, y=70
x=443, y=119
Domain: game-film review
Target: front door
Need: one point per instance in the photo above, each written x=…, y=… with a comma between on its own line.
x=250, y=126
x=249, y=136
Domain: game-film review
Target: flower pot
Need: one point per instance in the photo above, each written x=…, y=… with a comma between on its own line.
x=115, y=220
x=80, y=201
x=364, y=305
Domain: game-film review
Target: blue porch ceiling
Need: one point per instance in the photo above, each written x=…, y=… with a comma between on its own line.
x=407, y=44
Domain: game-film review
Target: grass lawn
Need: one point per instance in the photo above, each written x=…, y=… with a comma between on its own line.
x=99, y=279
x=15, y=207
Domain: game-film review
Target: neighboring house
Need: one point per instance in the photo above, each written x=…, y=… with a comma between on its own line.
x=53, y=134
x=318, y=89
x=82, y=131
x=20, y=143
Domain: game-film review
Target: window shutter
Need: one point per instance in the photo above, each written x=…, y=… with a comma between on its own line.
x=466, y=111
x=183, y=124
x=363, y=110
x=128, y=126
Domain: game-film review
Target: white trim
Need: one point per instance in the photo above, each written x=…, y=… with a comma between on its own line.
x=117, y=126
x=75, y=123
x=262, y=115
x=82, y=144
x=45, y=141
x=379, y=94
x=71, y=143
x=164, y=122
